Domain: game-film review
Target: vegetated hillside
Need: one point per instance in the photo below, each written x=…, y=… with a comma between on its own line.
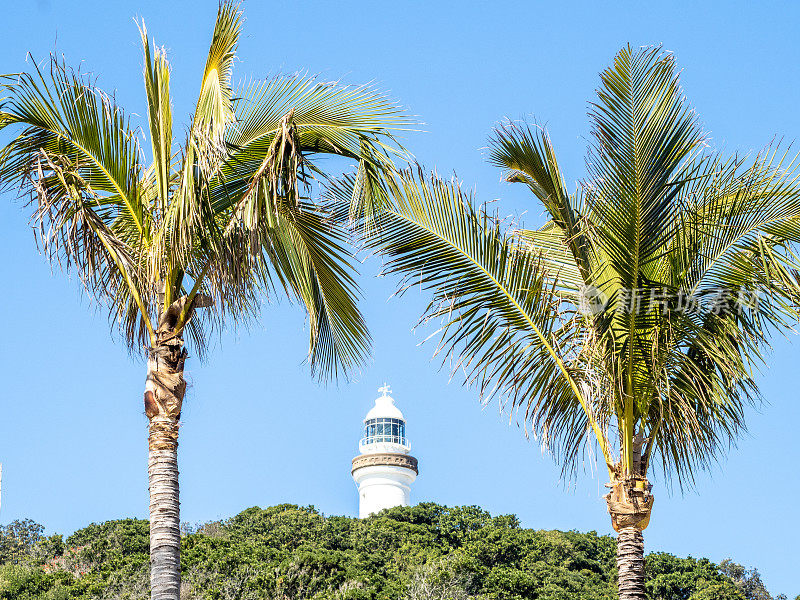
x=425, y=552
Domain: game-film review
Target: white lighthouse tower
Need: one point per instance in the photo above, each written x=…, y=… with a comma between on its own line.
x=384, y=470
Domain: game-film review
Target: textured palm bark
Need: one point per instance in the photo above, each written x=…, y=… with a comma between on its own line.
x=630, y=503
x=165, y=536
x=630, y=564
x=163, y=399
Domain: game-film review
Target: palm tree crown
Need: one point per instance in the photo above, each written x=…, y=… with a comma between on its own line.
x=216, y=219
x=633, y=318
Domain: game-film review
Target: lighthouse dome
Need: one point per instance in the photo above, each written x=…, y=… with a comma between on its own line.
x=384, y=407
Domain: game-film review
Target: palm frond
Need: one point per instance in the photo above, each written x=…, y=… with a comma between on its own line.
x=527, y=156
x=298, y=250
x=731, y=252
x=321, y=276
x=64, y=115
x=159, y=116
x=78, y=161
x=214, y=111
x=315, y=119
x=643, y=130
x=189, y=218
x=499, y=304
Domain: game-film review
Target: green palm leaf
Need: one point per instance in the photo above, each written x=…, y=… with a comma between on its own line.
x=77, y=158
x=495, y=298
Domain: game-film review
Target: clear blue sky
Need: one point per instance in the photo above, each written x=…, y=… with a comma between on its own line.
x=257, y=430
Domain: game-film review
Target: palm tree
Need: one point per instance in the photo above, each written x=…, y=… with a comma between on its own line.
x=215, y=222
x=632, y=320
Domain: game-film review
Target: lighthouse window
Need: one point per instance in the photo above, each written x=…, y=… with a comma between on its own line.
x=385, y=430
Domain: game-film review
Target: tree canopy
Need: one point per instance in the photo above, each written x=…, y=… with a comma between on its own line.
x=289, y=552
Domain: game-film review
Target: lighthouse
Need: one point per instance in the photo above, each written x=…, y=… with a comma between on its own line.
x=384, y=470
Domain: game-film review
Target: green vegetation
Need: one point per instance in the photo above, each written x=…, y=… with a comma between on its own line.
x=428, y=552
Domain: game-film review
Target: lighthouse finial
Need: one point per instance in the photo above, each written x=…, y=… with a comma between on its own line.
x=385, y=390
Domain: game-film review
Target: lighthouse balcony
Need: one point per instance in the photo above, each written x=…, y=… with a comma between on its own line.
x=384, y=444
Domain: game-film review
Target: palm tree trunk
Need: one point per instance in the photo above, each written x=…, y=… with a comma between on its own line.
x=165, y=536
x=630, y=503
x=163, y=399
x=630, y=564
